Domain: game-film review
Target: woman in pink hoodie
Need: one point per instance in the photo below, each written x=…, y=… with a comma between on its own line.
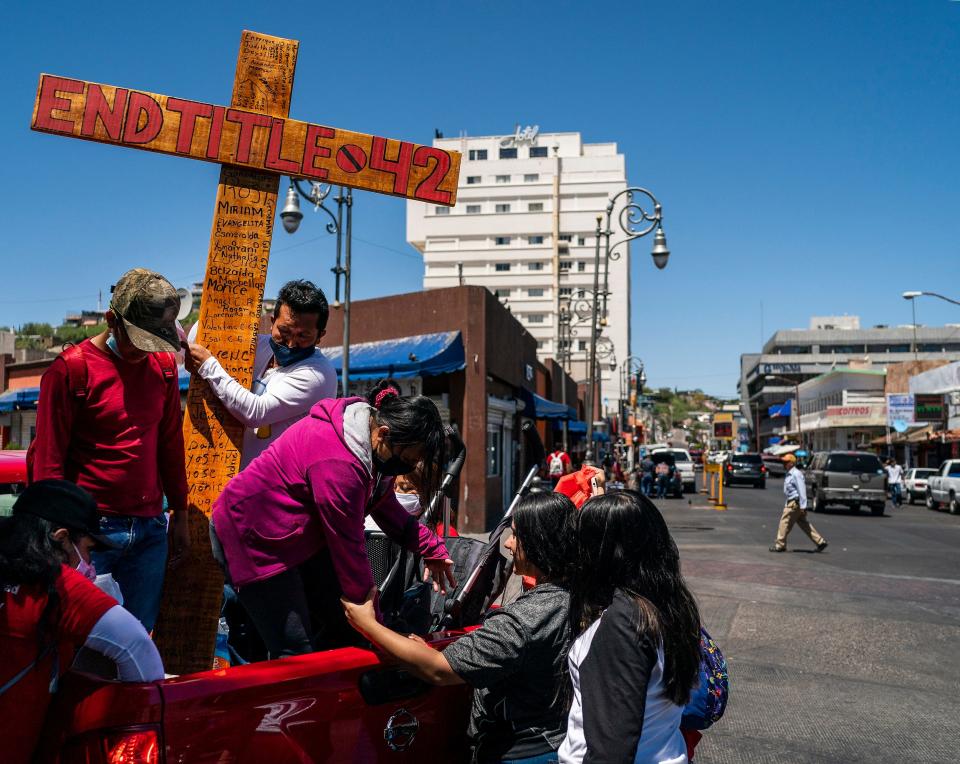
x=289, y=529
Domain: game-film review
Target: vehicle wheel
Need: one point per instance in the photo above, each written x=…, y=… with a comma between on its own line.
x=931, y=504
x=954, y=505
x=818, y=503
x=877, y=510
x=855, y=508
x=762, y=484
x=911, y=499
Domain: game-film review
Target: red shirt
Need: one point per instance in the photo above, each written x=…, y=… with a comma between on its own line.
x=23, y=706
x=123, y=443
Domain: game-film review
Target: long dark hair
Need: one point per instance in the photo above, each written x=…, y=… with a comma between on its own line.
x=624, y=544
x=30, y=557
x=413, y=421
x=545, y=528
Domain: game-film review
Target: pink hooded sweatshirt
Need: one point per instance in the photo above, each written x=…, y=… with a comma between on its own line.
x=312, y=488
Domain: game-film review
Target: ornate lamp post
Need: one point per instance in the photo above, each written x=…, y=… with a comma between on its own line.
x=632, y=222
x=291, y=217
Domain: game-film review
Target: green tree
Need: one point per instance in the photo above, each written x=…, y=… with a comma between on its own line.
x=34, y=329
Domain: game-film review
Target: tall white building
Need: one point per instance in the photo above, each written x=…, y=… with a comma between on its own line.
x=525, y=227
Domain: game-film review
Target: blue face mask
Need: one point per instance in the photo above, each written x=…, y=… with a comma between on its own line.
x=112, y=344
x=286, y=356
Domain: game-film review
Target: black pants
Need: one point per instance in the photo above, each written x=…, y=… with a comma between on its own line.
x=297, y=611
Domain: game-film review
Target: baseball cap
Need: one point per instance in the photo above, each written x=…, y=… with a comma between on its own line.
x=65, y=504
x=148, y=305
x=789, y=458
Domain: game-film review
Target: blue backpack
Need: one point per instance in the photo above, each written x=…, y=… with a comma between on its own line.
x=708, y=699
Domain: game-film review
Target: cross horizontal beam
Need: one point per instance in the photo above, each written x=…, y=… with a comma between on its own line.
x=244, y=138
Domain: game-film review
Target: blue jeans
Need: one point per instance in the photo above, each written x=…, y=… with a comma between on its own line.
x=138, y=564
x=895, y=495
x=543, y=758
x=646, y=484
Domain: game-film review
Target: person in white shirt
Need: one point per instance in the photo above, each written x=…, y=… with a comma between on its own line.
x=290, y=374
x=895, y=481
x=795, y=511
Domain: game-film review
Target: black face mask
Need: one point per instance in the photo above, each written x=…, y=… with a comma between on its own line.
x=393, y=466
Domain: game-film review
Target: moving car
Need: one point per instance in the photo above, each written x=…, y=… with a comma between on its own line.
x=915, y=483
x=943, y=487
x=745, y=468
x=850, y=478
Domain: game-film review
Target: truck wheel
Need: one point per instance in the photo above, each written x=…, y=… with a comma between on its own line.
x=954, y=505
x=877, y=510
x=818, y=505
x=931, y=504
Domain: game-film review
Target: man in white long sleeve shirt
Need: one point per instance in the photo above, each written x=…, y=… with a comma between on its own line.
x=290, y=373
x=795, y=511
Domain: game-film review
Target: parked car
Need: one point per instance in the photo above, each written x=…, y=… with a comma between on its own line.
x=745, y=468
x=915, y=483
x=850, y=478
x=13, y=478
x=943, y=487
x=684, y=465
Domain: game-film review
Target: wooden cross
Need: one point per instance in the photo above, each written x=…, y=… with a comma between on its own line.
x=255, y=142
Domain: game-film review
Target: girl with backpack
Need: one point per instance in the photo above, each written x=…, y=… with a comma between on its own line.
x=289, y=529
x=636, y=654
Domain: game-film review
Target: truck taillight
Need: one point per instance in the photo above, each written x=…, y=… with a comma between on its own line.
x=133, y=745
x=137, y=746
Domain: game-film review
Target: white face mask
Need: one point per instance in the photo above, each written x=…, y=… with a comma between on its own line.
x=410, y=502
x=84, y=568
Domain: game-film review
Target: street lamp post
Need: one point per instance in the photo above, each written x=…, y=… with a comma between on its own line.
x=912, y=296
x=291, y=217
x=633, y=222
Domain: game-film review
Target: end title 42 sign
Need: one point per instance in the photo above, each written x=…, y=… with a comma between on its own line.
x=225, y=135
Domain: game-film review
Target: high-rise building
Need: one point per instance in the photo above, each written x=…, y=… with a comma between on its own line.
x=525, y=227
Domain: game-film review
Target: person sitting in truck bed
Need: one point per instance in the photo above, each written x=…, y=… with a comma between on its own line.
x=49, y=609
x=516, y=661
x=289, y=528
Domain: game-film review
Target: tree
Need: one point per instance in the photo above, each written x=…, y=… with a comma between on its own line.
x=34, y=329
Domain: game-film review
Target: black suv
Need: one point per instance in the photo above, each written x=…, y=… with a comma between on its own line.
x=745, y=468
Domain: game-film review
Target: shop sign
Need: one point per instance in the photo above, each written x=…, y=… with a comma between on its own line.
x=849, y=416
x=900, y=409
x=928, y=407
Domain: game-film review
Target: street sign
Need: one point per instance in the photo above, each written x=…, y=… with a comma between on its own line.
x=928, y=407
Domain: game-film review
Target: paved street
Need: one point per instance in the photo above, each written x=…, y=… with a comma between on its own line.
x=845, y=656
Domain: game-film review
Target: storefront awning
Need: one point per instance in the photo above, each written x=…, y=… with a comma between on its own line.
x=15, y=400
x=572, y=426
x=539, y=407
x=421, y=355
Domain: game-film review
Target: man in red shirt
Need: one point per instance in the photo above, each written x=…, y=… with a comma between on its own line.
x=109, y=420
x=558, y=465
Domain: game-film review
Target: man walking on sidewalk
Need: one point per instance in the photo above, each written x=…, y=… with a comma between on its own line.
x=795, y=510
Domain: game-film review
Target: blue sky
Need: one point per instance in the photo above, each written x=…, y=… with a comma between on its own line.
x=806, y=153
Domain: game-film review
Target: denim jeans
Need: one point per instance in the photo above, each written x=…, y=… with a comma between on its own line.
x=646, y=484
x=896, y=496
x=138, y=563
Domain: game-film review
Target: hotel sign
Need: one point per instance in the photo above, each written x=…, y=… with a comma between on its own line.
x=527, y=135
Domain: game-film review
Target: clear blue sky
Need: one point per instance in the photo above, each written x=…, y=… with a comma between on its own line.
x=806, y=153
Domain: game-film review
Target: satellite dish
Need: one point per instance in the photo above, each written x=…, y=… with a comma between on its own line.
x=899, y=425
x=186, y=303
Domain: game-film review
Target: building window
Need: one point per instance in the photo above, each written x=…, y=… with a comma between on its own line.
x=508, y=153
x=538, y=152
x=441, y=210
x=534, y=266
x=581, y=240
x=503, y=179
x=581, y=293
x=581, y=344
x=494, y=439
x=473, y=180
x=535, y=207
x=535, y=292
x=502, y=241
x=501, y=267
x=473, y=209
x=581, y=266
x=541, y=344
x=502, y=293
x=566, y=237
x=566, y=291
x=565, y=265
x=476, y=154
x=534, y=240
x=536, y=318
x=531, y=177
x=502, y=208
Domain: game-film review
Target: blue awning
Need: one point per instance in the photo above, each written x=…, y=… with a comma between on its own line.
x=572, y=426
x=422, y=355
x=538, y=407
x=601, y=436
x=782, y=410
x=15, y=400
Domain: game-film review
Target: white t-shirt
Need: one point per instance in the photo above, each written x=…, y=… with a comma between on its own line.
x=281, y=395
x=894, y=474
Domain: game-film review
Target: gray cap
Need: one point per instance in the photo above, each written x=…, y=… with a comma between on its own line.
x=148, y=305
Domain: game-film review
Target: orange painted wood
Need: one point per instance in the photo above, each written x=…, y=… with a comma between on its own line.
x=247, y=135
x=244, y=214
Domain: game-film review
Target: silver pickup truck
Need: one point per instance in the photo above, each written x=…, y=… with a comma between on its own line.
x=943, y=489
